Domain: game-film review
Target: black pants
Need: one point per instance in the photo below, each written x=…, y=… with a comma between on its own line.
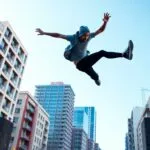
x=87, y=62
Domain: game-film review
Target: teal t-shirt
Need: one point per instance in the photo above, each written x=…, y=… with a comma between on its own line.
x=76, y=50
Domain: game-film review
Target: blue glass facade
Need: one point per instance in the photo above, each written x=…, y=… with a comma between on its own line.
x=91, y=114
x=58, y=101
x=80, y=119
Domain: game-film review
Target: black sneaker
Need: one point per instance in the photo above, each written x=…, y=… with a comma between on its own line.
x=98, y=82
x=128, y=54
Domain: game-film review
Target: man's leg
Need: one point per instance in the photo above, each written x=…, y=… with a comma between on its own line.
x=90, y=60
x=90, y=71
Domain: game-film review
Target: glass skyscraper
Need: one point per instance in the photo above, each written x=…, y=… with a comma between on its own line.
x=80, y=119
x=80, y=114
x=58, y=100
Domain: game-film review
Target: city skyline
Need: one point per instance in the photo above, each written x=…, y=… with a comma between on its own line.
x=121, y=80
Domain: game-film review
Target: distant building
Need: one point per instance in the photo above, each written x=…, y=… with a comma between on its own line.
x=58, y=100
x=143, y=129
x=131, y=136
x=96, y=146
x=90, y=144
x=80, y=119
x=31, y=124
x=79, y=139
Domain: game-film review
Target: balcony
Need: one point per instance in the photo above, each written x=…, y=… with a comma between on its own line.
x=45, y=130
x=27, y=127
x=27, y=117
x=44, y=142
x=46, y=124
x=45, y=135
x=30, y=109
x=25, y=137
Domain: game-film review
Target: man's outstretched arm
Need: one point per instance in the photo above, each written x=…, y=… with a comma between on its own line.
x=55, y=35
x=102, y=28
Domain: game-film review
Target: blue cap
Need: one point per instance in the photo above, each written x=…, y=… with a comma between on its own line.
x=83, y=30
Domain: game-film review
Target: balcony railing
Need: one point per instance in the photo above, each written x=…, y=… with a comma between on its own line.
x=30, y=109
x=27, y=127
x=28, y=117
x=25, y=137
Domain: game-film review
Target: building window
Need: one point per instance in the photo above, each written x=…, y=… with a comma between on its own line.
x=8, y=34
x=4, y=46
x=19, y=101
x=10, y=91
x=15, y=120
x=6, y=69
x=14, y=129
x=14, y=44
x=14, y=78
x=17, y=110
x=12, y=109
x=11, y=56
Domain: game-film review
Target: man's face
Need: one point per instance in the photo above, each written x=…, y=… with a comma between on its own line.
x=84, y=37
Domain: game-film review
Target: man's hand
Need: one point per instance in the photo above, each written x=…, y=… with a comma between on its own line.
x=106, y=17
x=40, y=32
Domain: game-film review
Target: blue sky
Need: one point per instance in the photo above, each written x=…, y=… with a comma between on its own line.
x=121, y=79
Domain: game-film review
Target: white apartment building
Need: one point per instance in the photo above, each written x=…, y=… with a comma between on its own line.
x=31, y=124
x=13, y=58
x=143, y=129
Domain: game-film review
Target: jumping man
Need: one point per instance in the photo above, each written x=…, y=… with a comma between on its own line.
x=77, y=50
